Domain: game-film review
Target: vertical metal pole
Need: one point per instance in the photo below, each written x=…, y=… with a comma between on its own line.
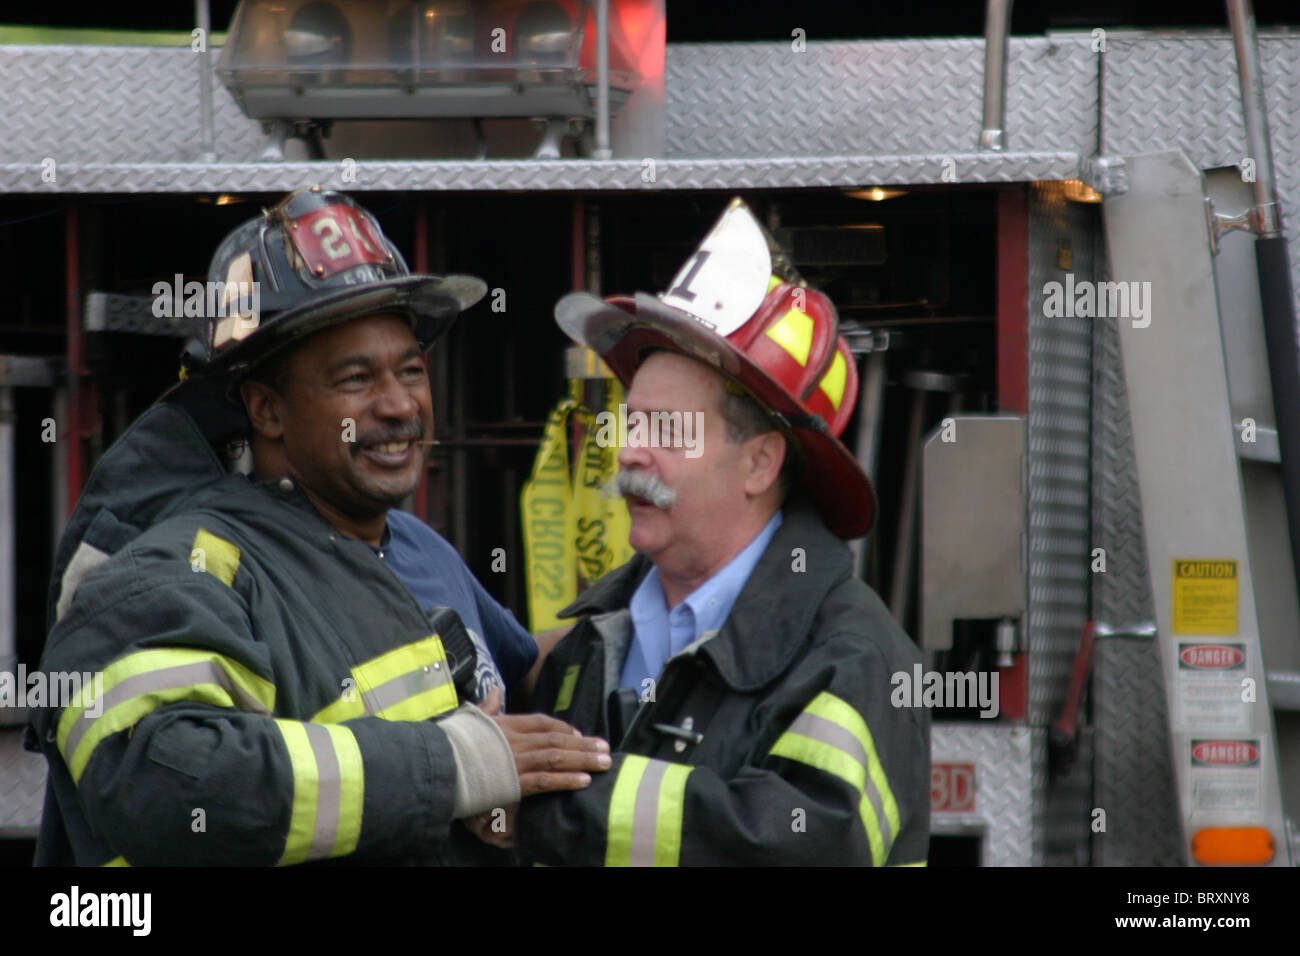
x=78, y=428
x=422, y=268
x=602, y=80
x=60, y=411
x=459, y=368
x=871, y=403
x=8, y=483
x=591, y=239
x=1255, y=115
x=997, y=30
x=1013, y=300
x=905, y=545
x=1013, y=386
x=207, y=149
x=578, y=249
x=1277, y=301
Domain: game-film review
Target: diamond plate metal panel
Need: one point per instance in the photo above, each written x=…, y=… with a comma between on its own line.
x=1003, y=784
x=1163, y=92
x=114, y=105
x=79, y=104
x=1133, y=770
x=539, y=175
x=1122, y=595
x=1068, y=817
x=898, y=96
x=22, y=786
x=1134, y=774
x=1182, y=93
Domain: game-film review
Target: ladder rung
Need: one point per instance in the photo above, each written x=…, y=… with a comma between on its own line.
x=1263, y=445
x=1284, y=690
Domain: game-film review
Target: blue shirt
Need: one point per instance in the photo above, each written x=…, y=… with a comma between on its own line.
x=659, y=633
x=435, y=574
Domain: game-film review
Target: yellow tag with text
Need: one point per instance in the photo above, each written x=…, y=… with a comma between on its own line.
x=1205, y=596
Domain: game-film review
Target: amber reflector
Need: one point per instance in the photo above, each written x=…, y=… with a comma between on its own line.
x=1249, y=846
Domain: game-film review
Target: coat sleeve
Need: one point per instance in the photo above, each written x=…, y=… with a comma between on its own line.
x=838, y=775
x=177, y=756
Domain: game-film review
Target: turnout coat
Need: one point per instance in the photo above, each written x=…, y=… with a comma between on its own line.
x=770, y=741
x=271, y=691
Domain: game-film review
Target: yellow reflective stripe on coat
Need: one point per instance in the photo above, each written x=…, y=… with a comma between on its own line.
x=565, y=698
x=831, y=736
x=116, y=861
x=645, y=813
x=138, y=684
x=328, y=791
x=411, y=682
x=217, y=556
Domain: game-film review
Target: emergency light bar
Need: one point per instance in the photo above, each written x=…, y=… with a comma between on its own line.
x=314, y=61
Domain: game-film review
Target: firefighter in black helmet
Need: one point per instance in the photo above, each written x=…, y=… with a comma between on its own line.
x=286, y=665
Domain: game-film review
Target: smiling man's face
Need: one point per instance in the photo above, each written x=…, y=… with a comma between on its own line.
x=369, y=372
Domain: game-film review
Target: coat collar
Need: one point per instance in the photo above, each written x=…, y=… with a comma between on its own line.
x=768, y=627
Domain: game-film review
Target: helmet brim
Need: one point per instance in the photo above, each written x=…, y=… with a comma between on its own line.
x=429, y=303
x=833, y=478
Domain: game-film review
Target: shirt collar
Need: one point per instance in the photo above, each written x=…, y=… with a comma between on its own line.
x=648, y=601
x=778, y=607
x=385, y=539
x=712, y=601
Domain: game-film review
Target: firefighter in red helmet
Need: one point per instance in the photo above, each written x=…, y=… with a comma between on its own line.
x=739, y=669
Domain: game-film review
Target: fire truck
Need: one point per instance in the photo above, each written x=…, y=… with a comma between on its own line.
x=1059, y=261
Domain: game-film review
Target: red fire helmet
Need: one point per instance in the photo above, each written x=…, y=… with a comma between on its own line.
x=737, y=307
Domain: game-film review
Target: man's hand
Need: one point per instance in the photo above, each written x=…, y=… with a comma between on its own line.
x=551, y=755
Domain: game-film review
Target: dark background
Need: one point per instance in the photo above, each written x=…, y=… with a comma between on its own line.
x=699, y=20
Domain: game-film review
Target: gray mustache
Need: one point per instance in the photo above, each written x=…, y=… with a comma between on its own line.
x=642, y=484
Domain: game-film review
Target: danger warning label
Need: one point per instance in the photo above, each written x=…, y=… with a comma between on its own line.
x=1209, y=685
x=1226, y=776
x=1205, y=597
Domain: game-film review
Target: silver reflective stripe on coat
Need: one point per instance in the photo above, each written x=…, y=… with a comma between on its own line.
x=405, y=686
x=645, y=815
x=327, y=793
x=829, y=732
x=169, y=678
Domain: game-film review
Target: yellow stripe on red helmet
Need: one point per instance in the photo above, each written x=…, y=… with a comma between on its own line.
x=832, y=383
x=794, y=333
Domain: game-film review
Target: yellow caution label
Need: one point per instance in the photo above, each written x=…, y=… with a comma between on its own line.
x=1205, y=596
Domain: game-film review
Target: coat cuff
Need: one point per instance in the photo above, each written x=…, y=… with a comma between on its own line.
x=485, y=765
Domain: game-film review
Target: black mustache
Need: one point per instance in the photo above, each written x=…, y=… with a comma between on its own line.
x=411, y=432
